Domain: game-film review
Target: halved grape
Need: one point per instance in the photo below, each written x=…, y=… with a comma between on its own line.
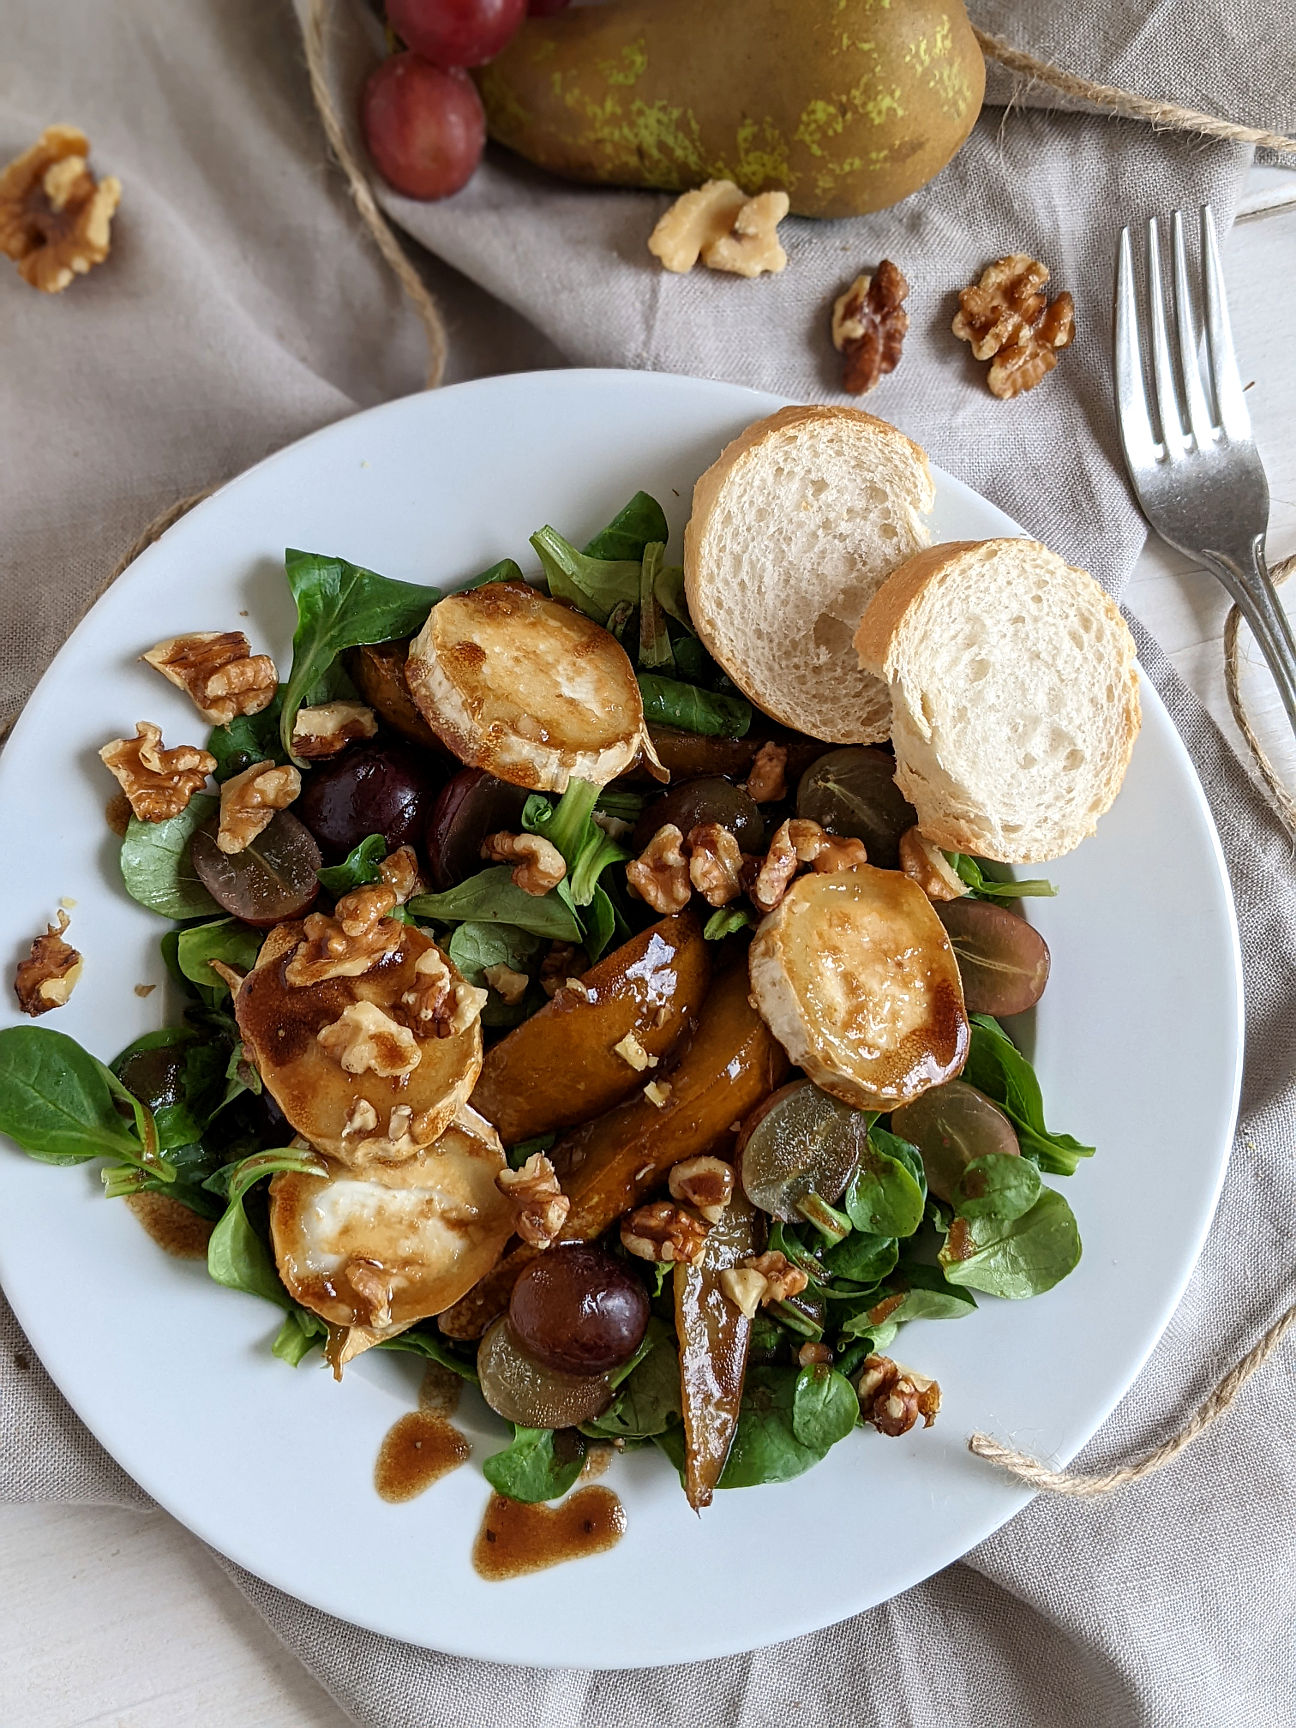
x=270, y=880
x=951, y=1125
x=797, y=1152
x=378, y=788
x=1002, y=960
x=522, y=1390
x=712, y=799
x=469, y=806
x=852, y=792
x=579, y=1310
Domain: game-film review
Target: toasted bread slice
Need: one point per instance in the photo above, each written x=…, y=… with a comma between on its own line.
x=793, y=531
x=526, y=687
x=1014, y=692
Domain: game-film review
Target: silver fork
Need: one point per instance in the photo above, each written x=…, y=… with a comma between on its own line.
x=1201, y=485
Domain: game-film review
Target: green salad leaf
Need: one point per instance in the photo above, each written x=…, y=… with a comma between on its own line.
x=540, y=1464
x=63, y=1106
x=654, y=632
x=863, y=1258
x=635, y=525
x=649, y=1399
x=340, y=606
x=201, y=1087
x=725, y=920
x=997, y=1185
x=1016, y=1257
x=595, y=585
x=668, y=702
x=236, y=1255
x=766, y=1446
x=983, y=887
x=919, y=1292
x=228, y=940
x=888, y=1190
x=601, y=923
x=475, y=945
x=357, y=870
x=246, y=739
x=519, y=1153
x=155, y=863
x=824, y=1407
x=492, y=896
x=874, y=1335
x=997, y=1067
x=507, y=570
x=419, y=1342
x=570, y=826
x=300, y=1333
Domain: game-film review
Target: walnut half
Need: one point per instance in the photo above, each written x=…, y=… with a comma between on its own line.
x=541, y=1206
x=219, y=671
x=48, y=976
x=894, y=1398
x=54, y=217
x=158, y=783
x=1007, y=320
x=249, y=801
x=728, y=230
x=869, y=325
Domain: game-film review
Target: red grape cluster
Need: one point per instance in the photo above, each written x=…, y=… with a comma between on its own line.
x=422, y=116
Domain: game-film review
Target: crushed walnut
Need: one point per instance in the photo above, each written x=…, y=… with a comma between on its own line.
x=538, y=864
x=727, y=229
x=559, y=964
x=442, y=1004
x=218, y=669
x=869, y=324
x=249, y=802
x=630, y=1050
x=399, y=871
x=48, y=976
x=54, y=217
x=744, y=1287
x=158, y=783
x=767, y=781
x=658, y=1092
x=541, y=1206
x=796, y=842
x=715, y=863
x=813, y=1355
x=705, y=1183
x=329, y=727
x=360, y=934
x=508, y=985
x=663, y=1231
x=373, y=1290
x=365, y=1040
x=924, y=863
x=893, y=1398
x=406, y=1133
x=660, y=874
x=1008, y=321
x=782, y=1278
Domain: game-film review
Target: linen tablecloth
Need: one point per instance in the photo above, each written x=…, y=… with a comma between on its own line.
x=243, y=305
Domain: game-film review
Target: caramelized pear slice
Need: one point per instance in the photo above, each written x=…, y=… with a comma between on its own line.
x=562, y=1066
x=355, y=1117
x=526, y=687
x=854, y=974
x=714, y=1336
x=372, y=1251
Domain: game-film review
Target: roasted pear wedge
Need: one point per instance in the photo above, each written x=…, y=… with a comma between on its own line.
x=563, y=1065
x=526, y=687
x=855, y=976
x=353, y=1062
x=372, y=1251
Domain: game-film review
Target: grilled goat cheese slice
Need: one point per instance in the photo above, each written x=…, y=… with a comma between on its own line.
x=526, y=687
x=854, y=975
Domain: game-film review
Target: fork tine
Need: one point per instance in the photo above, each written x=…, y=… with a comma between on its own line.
x=1167, y=394
x=1226, y=380
x=1189, y=341
x=1137, y=437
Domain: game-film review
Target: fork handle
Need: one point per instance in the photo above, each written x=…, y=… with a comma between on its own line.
x=1249, y=583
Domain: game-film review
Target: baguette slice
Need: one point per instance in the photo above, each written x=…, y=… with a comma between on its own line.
x=1014, y=693
x=794, y=529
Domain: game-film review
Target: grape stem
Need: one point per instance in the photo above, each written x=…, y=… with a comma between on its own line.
x=835, y=1225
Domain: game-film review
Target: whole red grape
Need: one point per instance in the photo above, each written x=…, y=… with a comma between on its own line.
x=456, y=32
x=424, y=126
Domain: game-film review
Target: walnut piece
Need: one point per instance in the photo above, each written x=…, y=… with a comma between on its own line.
x=924, y=863
x=373, y=1290
x=658, y=1092
x=329, y=727
x=365, y=1040
x=811, y=1354
x=869, y=324
x=767, y=782
x=663, y=1231
x=442, y=1004
x=796, y=842
x=508, y=985
x=158, y=783
x=893, y=1398
x=1007, y=320
x=704, y=1183
x=558, y=966
x=660, y=874
x=360, y=933
x=782, y=1278
x=696, y=219
x=248, y=802
x=54, y=218
x=715, y=863
x=835, y=853
x=538, y=864
x=751, y=248
x=744, y=1287
x=630, y=1050
x=541, y=1206
x=48, y=976
x=218, y=669
x=399, y=871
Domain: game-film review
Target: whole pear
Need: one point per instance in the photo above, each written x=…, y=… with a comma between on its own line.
x=847, y=105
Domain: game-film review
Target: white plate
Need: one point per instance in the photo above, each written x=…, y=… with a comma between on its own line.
x=1138, y=1044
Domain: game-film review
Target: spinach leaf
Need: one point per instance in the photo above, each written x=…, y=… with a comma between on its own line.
x=357, y=870
x=569, y=825
x=246, y=739
x=632, y=528
x=996, y=1067
x=625, y=805
x=765, y=1444
x=236, y=1255
x=228, y=939
x=887, y=1192
x=540, y=1464
x=668, y=702
x=518, y=1155
x=654, y=632
x=340, y=606
x=297, y=1337
x=983, y=887
x=505, y=571
x=997, y=1185
x=420, y=1343
x=600, y=922
x=824, y=1407
x=724, y=921
x=920, y=1292
x=649, y=1400
x=196, y=1088
x=863, y=1258
x=155, y=863
x=1017, y=1257
x=875, y=1335
x=476, y=945
x=668, y=590
x=493, y=897
x=595, y=585
x=61, y=1104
